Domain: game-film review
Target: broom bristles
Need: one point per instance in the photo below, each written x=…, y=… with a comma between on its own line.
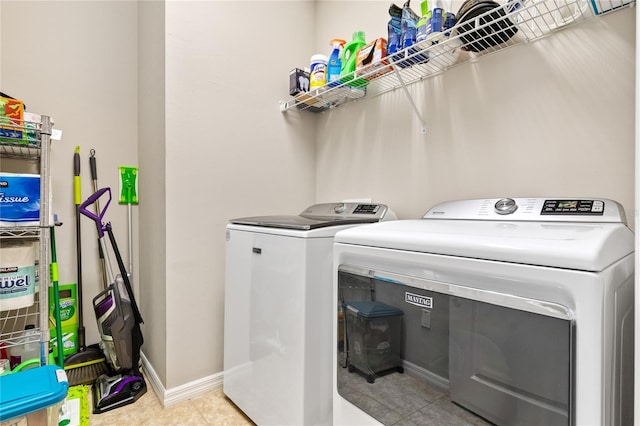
x=85, y=366
x=87, y=373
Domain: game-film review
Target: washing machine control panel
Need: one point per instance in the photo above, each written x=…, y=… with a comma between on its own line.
x=346, y=210
x=580, y=207
x=341, y=208
x=506, y=206
x=531, y=209
x=366, y=209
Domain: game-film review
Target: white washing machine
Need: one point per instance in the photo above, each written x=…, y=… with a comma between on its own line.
x=278, y=305
x=515, y=311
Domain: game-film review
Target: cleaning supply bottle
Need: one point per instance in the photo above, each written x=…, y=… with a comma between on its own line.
x=409, y=24
x=318, y=73
x=350, y=54
x=423, y=29
x=334, y=66
x=394, y=31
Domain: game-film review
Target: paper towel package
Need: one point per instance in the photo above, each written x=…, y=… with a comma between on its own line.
x=17, y=275
x=19, y=199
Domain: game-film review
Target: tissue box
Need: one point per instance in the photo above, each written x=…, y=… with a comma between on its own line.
x=19, y=199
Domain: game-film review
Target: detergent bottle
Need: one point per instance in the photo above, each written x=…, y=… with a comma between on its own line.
x=334, y=67
x=350, y=54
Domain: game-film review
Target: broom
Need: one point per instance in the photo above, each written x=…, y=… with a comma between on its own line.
x=64, y=415
x=86, y=365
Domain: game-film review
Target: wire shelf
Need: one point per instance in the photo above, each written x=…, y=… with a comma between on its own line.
x=514, y=23
x=30, y=140
x=20, y=232
x=13, y=322
x=19, y=138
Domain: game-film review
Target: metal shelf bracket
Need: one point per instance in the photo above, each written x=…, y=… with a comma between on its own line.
x=411, y=101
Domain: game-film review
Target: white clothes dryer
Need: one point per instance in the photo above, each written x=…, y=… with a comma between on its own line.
x=514, y=311
x=278, y=304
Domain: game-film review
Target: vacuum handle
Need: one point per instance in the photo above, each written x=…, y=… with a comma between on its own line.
x=93, y=216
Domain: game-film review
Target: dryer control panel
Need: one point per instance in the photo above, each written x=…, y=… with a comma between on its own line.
x=581, y=207
x=559, y=209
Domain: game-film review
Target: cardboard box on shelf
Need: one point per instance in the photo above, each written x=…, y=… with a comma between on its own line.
x=11, y=116
x=298, y=81
x=68, y=319
x=371, y=59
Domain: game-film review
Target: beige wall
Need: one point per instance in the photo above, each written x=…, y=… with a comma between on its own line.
x=152, y=150
x=183, y=91
x=550, y=118
x=207, y=134
x=76, y=61
x=229, y=153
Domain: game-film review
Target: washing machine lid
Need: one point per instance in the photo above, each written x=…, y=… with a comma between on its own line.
x=320, y=216
x=561, y=243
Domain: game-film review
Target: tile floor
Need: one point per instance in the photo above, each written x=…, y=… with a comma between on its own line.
x=403, y=400
x=415, y=402
x=211, y=408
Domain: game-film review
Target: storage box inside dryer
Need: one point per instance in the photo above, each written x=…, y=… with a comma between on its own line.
x=374, y=334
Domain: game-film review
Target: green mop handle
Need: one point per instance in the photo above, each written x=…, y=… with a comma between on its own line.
x=53, y=270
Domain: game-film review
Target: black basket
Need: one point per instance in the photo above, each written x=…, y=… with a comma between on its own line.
x=499, y=29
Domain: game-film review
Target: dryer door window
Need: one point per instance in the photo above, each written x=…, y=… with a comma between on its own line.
x=466, y=356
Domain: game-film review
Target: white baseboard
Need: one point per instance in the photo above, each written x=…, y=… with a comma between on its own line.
x=168, y=397
x=425, y=375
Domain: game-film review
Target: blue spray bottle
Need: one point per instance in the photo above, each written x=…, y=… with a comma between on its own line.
x=334, y=66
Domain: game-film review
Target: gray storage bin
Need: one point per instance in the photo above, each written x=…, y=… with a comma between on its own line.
x=374, y=333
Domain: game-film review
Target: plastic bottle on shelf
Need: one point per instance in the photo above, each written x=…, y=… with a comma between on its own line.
x=350, y=55
x=394, y=31
x=439, y=11
x=408, y=25
x=334, y=66
x=27, y=347
x=318, y=73
x=409, y=28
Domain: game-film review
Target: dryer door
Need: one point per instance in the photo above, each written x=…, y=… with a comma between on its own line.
x=507, y=359
x=510, y=366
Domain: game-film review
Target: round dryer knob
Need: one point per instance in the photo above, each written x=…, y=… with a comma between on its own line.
x=506, y=206
x=339, y=208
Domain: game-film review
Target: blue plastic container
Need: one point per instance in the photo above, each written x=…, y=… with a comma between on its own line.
x=31, y=390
